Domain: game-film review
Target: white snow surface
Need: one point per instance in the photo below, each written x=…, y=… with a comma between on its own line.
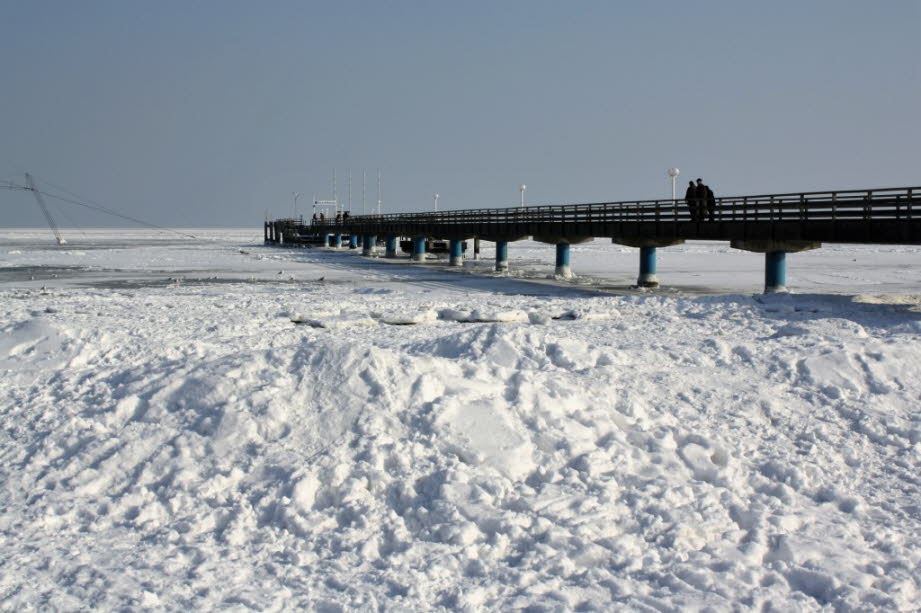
x=433, y=439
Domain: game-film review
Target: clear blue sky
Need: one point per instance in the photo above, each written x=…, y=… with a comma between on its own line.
x=210, y=113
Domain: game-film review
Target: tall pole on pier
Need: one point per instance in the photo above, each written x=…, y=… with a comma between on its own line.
x=378, y=191
x=436, y=201
x=296, y=196
x=673, y=173
x=521, y=188
x=350, y=191
x=335, y=193
x=363, y=190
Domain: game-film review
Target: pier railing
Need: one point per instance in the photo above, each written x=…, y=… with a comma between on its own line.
x=874, y=204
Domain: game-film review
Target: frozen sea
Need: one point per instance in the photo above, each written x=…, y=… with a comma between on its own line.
x=212, y=423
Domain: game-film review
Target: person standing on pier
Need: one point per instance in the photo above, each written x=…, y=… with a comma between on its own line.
x=711, y=204
x=700, y=199
x=690, y=198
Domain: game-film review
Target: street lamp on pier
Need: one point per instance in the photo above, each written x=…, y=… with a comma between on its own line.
x=673, y=173
x=521, y=188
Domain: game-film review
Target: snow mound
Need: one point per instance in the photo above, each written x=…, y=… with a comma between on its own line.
x=403, y=318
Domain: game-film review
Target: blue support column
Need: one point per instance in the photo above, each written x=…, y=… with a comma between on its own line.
x=648, y=276
x=501, y=256
x=370, y=241
x=457, y=252
x=337, y=240
x=391, y=244
x=419, y=249
x=775, y=272
x=326, y=237
x=562, y=261
x=353, y=241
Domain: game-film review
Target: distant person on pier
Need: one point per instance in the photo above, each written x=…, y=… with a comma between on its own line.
x=711, y=203
x=338, y=216
x=700, y=197
x=322, y=217
x=345, y=215
x=690, y=198
x=314, y=218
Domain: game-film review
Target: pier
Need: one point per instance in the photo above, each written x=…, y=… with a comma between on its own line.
x=773, y=224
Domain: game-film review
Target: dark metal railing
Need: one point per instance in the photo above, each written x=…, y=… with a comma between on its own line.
x=888, y=204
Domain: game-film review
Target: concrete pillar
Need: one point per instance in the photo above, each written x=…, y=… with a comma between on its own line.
x=391, y=245
x=476, y=248
x=562, y=261
x=281, y=235
x=337, y=240
x=367, y=247
x=775, y=259
x=419, y=249
x=501, y=256
x=457, y=252
x=353, y=241
x=265, y=232
x=775, y=272
x=648, y=276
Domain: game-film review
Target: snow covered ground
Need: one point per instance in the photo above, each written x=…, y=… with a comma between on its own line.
x=172, y=440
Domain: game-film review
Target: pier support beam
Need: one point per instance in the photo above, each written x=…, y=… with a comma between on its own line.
x=419, y=249
x=775, y=272
x=562, y=250
x=775, y=259
x=353, y=241
x=647, y=276
x=562, y=261
x=367, y=248
x=390, y=242
x=337, y=240
x=501, y=256
x=265, y=232
x=457, y=252
x=476, y=248
x=326, y=239
x=647, y=247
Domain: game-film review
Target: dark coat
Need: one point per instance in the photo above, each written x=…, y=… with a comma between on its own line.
x=701, y=192
x=690, y=194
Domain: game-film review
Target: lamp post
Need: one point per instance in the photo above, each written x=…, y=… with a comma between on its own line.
x=521, y=188
x=296, y=196
x=436, y=195
x=673, y=173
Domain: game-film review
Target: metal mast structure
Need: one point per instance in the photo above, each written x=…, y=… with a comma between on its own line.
x=30, y=185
